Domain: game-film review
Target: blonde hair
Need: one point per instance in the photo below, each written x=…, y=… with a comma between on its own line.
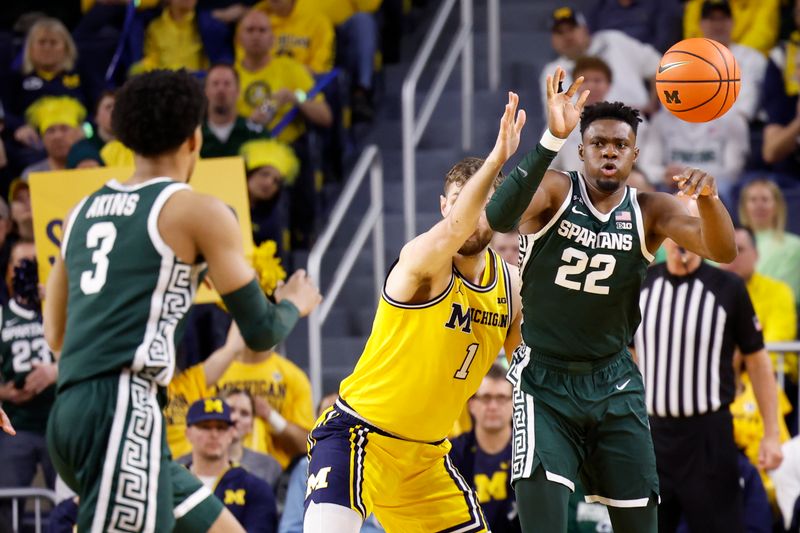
x=56, y=26
x=779, y=219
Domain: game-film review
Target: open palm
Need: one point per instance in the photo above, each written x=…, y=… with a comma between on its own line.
x=511, y=125
x=562, y=114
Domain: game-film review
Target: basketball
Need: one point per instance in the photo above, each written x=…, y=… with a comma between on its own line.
x=698, y=80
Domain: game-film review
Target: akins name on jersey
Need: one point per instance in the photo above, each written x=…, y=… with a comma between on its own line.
x=590, y=239
x=459, y=318
x=119, y=204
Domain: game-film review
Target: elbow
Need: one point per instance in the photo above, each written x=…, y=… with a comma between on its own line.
x=725, y=255
x=768, y=153
x=496, y=223
x=325, y=117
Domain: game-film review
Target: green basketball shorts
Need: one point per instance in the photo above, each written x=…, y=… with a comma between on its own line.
x=584, y=420
x=107, y=441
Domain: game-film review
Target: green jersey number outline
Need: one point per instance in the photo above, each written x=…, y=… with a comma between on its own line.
x=604, y=262
x=101, y=236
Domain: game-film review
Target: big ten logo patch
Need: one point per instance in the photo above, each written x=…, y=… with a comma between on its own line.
x=55, y=230
x=235, y=496
x=318, y=480
x=492, y=488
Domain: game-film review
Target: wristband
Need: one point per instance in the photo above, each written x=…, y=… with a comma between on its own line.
x=301, y=96
x=551, y=142
x=277, y=423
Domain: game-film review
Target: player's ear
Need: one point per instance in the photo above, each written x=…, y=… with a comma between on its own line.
x=442, y=204
x=196, y=140
x=580, y=151
x=635, y=153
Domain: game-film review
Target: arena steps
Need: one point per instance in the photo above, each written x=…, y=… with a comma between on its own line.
x=525, y=50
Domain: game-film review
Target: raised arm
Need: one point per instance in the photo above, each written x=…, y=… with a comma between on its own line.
x=184, y=224
x=518, y=193
x=710, y=235
x=430, y=255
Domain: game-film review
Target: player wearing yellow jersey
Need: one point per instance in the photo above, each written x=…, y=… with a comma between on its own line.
x=449, y=305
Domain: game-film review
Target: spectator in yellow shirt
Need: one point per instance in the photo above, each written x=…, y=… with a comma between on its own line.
x=192, y=384
x=282, y=395
x=357, y=44
x=302, y=34
x=755, y=21
x=271, y=85
x=172, y=41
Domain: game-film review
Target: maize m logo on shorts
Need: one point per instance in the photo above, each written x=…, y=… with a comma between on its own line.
x=318, y=480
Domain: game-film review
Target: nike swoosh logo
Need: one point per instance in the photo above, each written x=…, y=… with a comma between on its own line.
x=575, y=210
x=523, y=172
x=623, y=385
x=663, y=68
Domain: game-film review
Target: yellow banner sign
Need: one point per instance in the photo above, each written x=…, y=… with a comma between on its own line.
x=53, y=194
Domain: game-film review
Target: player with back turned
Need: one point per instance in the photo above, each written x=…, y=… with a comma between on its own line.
x=131, y=259
x=586, y=239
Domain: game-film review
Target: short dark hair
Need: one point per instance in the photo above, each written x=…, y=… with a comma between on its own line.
x=464, y=170
x=235, y=391
x=496, y=372
x=749, y=231
x=610, y=110
x=154, y=113
x=107, y=93
x=585, y=63
x=223, y=66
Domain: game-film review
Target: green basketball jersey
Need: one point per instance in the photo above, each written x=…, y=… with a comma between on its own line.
x=22, y=343
x=128, y=293
x=581, y=275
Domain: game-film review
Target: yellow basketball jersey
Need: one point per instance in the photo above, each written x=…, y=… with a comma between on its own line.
x=422, y=362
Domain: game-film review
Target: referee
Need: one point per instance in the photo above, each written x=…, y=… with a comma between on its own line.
x=694, y=317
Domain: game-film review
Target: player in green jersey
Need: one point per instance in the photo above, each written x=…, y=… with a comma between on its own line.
x=131, y=258
x=586, y=239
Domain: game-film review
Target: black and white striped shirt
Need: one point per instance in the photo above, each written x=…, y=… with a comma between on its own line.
x=691, y=326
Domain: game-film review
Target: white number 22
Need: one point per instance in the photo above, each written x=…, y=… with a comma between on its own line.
x=605, y=264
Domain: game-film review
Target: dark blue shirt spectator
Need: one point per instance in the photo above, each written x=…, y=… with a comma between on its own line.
x=655, y=22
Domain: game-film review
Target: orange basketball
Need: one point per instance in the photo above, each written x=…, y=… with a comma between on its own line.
x=698, y=80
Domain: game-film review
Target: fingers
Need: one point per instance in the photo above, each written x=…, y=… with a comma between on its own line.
x=582, y=100
x=553, y=81
x=694, y=182
x=522, y=117
x=5, y=423
x=574, y=87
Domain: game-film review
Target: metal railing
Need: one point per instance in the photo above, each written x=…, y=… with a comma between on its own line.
x=22, y=493
x=413, y=125
x=462, y=45
x=370, y=163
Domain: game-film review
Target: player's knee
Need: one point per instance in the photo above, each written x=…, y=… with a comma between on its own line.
x=325, y=517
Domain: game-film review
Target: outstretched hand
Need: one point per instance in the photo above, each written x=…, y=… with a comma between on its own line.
x=511, y=125
x=695, y=183
x=562, y=114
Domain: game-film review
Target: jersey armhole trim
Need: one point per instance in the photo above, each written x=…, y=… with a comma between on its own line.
x=68, y=226
x=509, y=296
x=478, y=288
x=429, y=303
x=640, y=225
x=155, y=212
x=557, y=215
